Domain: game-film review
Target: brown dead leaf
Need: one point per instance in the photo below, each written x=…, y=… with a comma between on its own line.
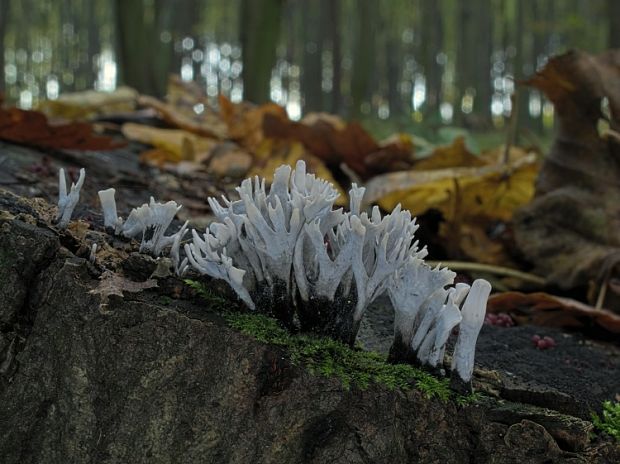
x=90, y=104
x=33, y=129
x=553, y=311
x=111, y=283
x=571, y=227
x=335, y=142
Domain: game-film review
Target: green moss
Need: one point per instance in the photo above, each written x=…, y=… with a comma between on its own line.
x=329, y=358
x=262, y=328
x=609, y=422
x=468, y=400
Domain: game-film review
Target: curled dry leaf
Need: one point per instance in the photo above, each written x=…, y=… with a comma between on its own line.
x=33, y=129
x=548, y=310
x=570, y=231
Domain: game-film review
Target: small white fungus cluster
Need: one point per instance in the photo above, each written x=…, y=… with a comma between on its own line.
x=149, y=222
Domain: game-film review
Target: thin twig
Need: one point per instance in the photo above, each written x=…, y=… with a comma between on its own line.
x=603, y=290
x=491, y=269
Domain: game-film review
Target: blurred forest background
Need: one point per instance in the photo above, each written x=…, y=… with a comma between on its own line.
x=412, y=65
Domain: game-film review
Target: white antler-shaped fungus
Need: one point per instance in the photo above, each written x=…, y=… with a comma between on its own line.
x=67, y=203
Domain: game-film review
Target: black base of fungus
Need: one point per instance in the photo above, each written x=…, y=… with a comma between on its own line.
x=275, y=301
x=400, y=351
x=329, y=318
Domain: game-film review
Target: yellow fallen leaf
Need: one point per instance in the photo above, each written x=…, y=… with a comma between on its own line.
x=470, y=198
x=492, y=190
x=448, y=156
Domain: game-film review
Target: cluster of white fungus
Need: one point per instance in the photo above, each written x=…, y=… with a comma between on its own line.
x=288, y=253
x=149, y=222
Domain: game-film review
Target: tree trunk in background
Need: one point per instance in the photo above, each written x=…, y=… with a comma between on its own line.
x=179, y=18
x=66, y=50
x=312, y=58
x=88, y=67
x=167, y=18
x=293, y=22
x=393, y=57
x=522, y=100
x=613, y=13
x=363, y=56
x=334, y=35
x=393, y=54
x=483, y=40
x=142, y=58
x=4, y=9
x=259, y=34
x=538, y=49
x=432, y=44
x=464, y=47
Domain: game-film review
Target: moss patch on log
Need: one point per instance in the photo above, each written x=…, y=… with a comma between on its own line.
x=327, y=357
